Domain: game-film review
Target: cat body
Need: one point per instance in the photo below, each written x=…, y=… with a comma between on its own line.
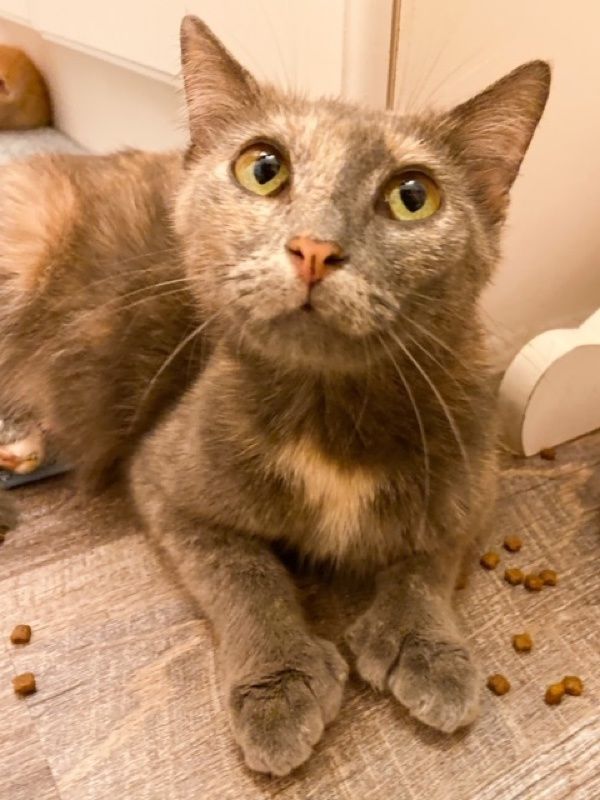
x=278, y=336
x=24, y=100
x=81, y=260
x=356, y=510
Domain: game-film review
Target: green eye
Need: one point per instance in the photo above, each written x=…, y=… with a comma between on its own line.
x=412, y=195
x=261, y=170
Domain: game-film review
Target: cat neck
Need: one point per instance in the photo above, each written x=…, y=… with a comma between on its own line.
x=364, y=417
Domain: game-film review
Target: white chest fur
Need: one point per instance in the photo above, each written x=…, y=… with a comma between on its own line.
x=339, y=496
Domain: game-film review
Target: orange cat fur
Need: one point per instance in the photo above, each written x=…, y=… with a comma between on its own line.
x=24, y=99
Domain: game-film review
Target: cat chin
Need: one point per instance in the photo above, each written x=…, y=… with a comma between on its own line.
x=303, y=340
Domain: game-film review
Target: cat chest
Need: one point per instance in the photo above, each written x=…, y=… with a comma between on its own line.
x=339, y=498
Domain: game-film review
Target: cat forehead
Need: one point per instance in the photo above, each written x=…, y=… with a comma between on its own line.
x=342, y=132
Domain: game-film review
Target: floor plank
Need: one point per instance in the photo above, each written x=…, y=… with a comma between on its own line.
x=24, y=770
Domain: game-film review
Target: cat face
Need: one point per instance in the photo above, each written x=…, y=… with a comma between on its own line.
x=318, y=233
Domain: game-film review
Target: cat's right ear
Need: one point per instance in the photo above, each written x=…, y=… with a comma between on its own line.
x=216, y=86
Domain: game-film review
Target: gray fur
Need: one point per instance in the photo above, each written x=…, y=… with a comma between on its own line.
x=361, y=434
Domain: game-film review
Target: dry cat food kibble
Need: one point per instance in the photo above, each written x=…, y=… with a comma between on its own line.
x=21, y=634
x=522, y=642
x=548, y=453
x=498, y=684
x=554, y=694
x=513, y=544
x=548, y=577
x=489, y=560
x=514, y=576
x=533, y=583
x=572, y=685
x=24, y=684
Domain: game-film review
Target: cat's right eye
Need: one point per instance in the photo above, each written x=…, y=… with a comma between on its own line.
x=261, y=169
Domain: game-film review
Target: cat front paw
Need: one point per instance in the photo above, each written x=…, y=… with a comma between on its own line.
x=279, y=715
x=431, y=674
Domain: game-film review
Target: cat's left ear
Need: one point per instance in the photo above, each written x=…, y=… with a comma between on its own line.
x=491, y=132
x=217, y=87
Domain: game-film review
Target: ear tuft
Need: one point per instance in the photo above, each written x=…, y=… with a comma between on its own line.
x=217, y=87
x=491, y=132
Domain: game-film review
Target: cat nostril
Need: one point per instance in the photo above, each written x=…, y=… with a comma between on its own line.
x=335, y=260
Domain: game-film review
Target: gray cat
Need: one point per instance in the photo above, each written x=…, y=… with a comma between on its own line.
x=276, y=338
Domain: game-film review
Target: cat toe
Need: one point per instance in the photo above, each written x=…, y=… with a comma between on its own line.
x=278, y=718
x=437, y=681
x=376, y=646
x=277, y=728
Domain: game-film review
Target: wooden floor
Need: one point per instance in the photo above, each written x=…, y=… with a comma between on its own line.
x=128, y=705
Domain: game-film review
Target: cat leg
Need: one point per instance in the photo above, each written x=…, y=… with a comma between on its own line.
x=409, y=643
x=283, y=684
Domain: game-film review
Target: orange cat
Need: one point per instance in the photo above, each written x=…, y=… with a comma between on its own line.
x=24, y=99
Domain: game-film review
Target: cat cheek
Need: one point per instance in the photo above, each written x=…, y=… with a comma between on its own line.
x=263, y=292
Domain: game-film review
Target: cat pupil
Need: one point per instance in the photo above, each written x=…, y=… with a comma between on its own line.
x=266, y=168
x=413, y=194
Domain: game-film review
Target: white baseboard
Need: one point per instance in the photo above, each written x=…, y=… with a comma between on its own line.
x=550, y=392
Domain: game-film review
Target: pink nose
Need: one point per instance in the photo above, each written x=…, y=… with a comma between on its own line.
x=313, y=258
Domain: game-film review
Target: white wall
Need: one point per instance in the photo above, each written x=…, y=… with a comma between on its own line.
x=550, y=273
x=99, y=104
x=113, y=65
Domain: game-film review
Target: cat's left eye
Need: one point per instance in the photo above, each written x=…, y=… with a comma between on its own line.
x=261, y=169
x=412, y=196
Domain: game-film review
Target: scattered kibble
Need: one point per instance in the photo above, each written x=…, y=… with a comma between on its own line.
x=533, y=583
x=498, y=684
x=24, y=684
x=572, y=685
x=513, y=544
x=21, y=634
x=548, y=577
x=522, y=642
x=489, y=560
x=554, y=694
x=548, y=453
x=514, y=576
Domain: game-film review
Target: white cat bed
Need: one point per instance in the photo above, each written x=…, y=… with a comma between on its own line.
x=550, y=393
x=20, y=144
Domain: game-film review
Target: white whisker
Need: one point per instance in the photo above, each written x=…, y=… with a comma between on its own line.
x=444, y=406
x=174, y=353
x=422, y=432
